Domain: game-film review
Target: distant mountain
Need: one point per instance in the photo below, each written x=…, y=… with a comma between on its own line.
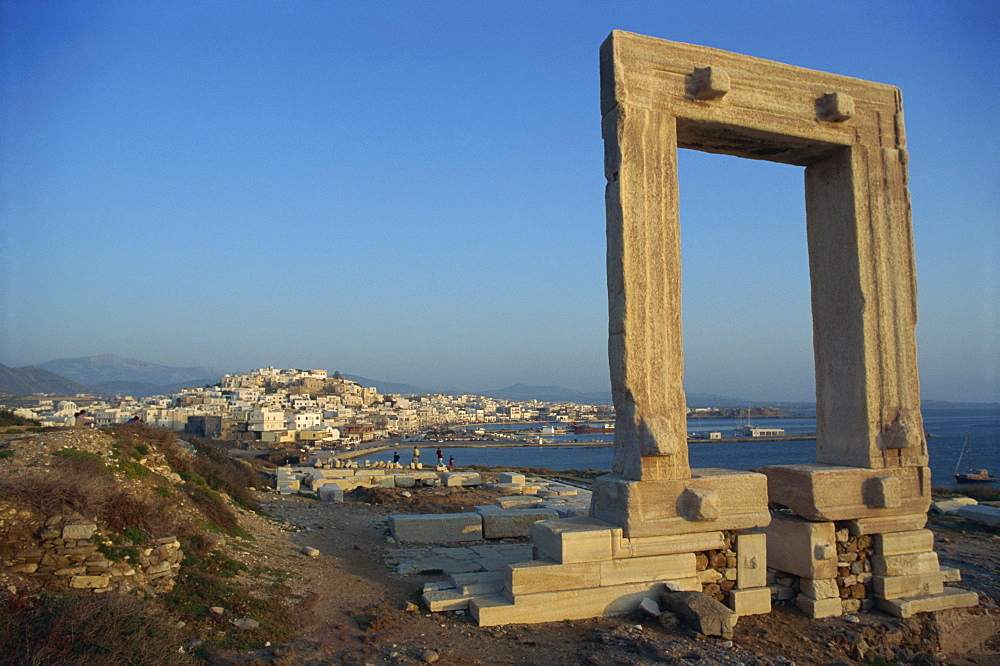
x=522, y=392
x=31, y=379
x=114, y=368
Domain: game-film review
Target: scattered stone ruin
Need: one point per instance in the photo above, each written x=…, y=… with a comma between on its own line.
x=840, y=535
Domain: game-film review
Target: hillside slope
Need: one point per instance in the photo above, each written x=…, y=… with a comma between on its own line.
x=31, y=379
x=125, y=510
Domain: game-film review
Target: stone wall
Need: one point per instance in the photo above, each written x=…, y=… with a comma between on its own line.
x=717, y=569
x=854, y=570
x=73, y=553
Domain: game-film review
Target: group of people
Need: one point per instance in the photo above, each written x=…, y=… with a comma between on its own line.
x=416, y=457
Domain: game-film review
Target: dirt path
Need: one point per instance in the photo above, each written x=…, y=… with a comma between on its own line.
x=351, y=606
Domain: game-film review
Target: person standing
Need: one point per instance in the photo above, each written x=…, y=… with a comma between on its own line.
x=395, y=457
x=440, y=457
x=451, y=461
x=416, y=455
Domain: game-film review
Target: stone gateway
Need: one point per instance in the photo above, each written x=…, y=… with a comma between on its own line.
x=840, y=535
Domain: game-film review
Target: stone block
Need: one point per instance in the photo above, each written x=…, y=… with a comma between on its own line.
x=430, y=528
x=516, y=501
x=951, y=575
x=557, y=491
x=882, y=524
x=709, y=501
x=563, y=605
x=509, y=523
x=405, y=480
x=704, y=614
x=750, y=601
x=667, y=544
x=506, y=487
x=951, y=597
x=331, y=493
x=905, y=565
x=913, y=585
x=546, y=576
x=480, y=582
x=89, y=582
x=901, y=543
x=511, y=477
x=387, y=481
x=801, y=547
x=817, y=608
x=984, y=515
x=751, y=561
x=337, y=473
x=445, y=600
x=647, y=569
x=821, y=588
x=832, y=492
x=461, y=479
x=569, y=510
x=951, y=506
x=79, y=531
x=571, y=540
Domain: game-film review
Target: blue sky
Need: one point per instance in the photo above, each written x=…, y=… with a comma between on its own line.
x=414, y=191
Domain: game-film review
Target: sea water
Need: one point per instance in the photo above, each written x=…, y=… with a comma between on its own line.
x=946, y=428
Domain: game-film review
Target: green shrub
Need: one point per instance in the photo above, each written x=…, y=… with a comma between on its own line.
x=192, y=477
x=73, y=453
x=6, y=453
x=133, y=470
x=163, y=492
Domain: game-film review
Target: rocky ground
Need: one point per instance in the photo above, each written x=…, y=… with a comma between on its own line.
x=356, y=603
x=354, y=608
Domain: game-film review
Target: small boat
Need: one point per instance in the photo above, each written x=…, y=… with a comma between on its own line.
x=974, y=475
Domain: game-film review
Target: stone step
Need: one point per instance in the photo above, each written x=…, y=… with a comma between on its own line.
x=561, y=605
x=445, y=600
x=479, y=583
x=952, y=597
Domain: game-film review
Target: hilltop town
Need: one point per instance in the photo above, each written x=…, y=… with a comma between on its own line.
x=307, y=409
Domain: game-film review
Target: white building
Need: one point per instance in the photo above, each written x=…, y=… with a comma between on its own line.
x=263, y=419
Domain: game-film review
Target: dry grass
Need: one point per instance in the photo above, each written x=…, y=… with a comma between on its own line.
x=105, y=629
x=84, y=486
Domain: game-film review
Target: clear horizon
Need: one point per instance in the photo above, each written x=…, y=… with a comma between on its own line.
x=414, y=192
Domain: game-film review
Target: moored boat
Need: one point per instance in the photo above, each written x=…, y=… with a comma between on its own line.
x=975, y=474
x=592, y=428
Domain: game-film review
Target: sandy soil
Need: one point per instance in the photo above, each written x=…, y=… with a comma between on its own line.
x=352, y=605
